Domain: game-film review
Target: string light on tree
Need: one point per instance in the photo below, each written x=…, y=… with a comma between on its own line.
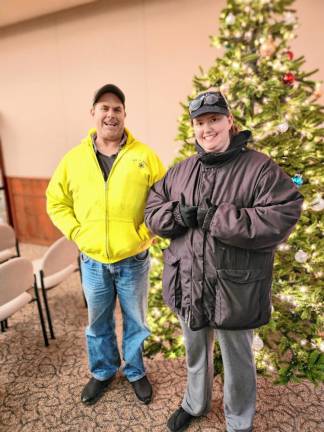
x=289, y=18
x=230, y=19
x=248, y=36
x=283, y=247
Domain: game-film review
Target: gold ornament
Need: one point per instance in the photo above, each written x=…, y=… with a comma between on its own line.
x=317, y=93
x=268, y=48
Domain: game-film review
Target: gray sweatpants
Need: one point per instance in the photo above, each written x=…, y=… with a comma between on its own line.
x=239, y=374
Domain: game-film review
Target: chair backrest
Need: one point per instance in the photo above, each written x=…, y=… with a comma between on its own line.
x=16, y=276
x=58, y=256
x=7, y=236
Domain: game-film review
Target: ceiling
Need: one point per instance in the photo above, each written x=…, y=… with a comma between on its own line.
x=14, y=11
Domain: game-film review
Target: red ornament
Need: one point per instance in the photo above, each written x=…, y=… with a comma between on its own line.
x=290, y=55
x=289, y=78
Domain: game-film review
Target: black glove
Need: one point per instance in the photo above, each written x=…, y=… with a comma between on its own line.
x=205, y=214
x=188, y=214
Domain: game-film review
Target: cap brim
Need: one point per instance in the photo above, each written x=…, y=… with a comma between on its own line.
x=208, y=109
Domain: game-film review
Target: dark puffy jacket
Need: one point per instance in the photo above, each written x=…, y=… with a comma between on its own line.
x=222, y=277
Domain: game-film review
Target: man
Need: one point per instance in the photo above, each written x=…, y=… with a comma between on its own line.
x=97, y=197
x=226, y=209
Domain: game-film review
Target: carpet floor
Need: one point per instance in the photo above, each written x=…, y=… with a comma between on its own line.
x=40, y=387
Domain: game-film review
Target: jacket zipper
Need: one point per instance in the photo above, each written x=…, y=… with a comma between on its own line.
x=120, y=155
x=188, y=315
x=204, y=252
x=106, y=197
x=106, y=218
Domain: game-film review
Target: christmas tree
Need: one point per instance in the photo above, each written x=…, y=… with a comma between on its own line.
x=271, y=95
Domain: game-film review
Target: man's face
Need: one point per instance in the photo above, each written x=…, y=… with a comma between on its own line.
x=109, y=117
x=212, y=131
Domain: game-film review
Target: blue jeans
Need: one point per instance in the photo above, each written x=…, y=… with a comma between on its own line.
x=127, y=279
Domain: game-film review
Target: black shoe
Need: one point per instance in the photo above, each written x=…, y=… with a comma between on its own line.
x=179, y=420
x=94, y=390
x=143, y=390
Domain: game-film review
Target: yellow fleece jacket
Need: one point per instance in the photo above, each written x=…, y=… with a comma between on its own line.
x=104, y=219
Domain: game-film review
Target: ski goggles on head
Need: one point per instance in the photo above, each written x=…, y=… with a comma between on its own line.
x=209, y=102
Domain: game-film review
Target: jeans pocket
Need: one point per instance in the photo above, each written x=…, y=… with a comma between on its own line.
x=171, y=280
x=238, y=294
x=84, y=258
x=141, y=256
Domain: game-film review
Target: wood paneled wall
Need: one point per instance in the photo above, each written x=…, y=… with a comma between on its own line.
x=28, y=207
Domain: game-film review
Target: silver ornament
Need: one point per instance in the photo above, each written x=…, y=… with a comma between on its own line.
x=318, y=204
x=301, y=256
x=283, y=127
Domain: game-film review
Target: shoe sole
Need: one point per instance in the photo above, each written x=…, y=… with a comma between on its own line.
x=146, y=401
x=182, y=429
x=179, y=430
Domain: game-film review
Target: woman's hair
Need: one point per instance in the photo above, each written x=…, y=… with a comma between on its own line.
x=235, y=129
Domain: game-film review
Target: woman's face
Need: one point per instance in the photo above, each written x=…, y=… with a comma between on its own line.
x=212, y=131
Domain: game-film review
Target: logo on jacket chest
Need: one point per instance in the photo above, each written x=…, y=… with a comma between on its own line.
x=139, y=163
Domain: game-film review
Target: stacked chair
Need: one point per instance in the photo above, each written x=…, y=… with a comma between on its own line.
x=16, y=278
x=9, y=247
x=59, y=261
x=18, y=275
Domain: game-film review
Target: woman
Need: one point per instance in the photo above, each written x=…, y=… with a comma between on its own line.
x=226, y=209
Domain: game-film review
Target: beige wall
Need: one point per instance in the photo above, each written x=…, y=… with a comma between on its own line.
x=51, y=66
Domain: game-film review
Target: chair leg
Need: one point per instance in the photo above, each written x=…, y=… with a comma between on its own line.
x=6, y=323
x=17, y=248
x=3, y=327
x=79, y=269
x=40, y=313
x=49, y=320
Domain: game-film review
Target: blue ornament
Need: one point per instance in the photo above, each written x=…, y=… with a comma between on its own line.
x=298, y=179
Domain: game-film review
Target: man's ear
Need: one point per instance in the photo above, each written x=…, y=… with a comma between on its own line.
x=92, y=111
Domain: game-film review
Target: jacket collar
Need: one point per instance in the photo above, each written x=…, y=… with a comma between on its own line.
x=121, y=144
x=237, y=145
x=88, y=140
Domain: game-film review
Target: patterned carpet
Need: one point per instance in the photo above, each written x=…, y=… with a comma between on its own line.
x=40, y=387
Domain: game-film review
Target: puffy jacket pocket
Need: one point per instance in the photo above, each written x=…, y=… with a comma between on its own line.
x=171, y=280
x=238, y=294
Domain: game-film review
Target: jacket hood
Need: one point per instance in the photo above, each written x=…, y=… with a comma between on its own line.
x=237, y=145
